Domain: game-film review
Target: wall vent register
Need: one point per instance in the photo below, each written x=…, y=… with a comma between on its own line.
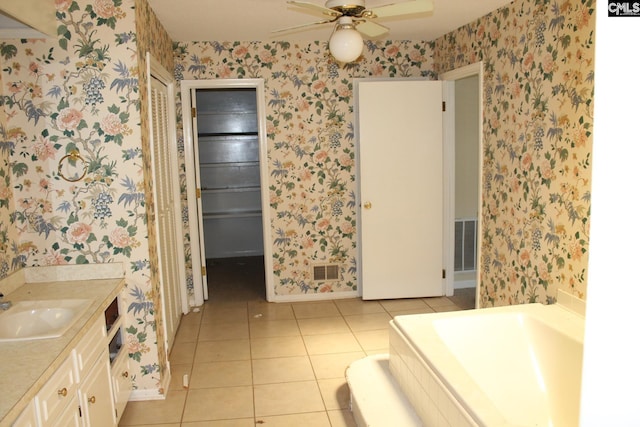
x=326, y=272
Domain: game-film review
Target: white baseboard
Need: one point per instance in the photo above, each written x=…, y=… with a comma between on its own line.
x=463, y=284
x=148, y=394
x=314, y=297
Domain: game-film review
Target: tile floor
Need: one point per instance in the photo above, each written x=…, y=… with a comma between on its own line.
x=251, y=362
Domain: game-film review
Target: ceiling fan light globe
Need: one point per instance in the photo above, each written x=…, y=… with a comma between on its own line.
x=346, y=45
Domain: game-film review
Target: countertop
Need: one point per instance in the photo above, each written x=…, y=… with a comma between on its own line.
x=26, y=365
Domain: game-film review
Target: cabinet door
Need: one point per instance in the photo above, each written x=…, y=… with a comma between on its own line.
x=121, y=383
x=96, y=397
x=70, y=417
x=58, y=393
x=28, y=417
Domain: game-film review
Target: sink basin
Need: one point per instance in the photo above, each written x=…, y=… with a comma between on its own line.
x=33, y=320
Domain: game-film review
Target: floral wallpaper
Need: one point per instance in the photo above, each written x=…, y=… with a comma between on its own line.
x=81, y=92
x=310, y=132
x=537, y=129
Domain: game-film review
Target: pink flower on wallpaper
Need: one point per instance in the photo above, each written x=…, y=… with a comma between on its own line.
x=104, y=8
x=321, y=156
x=323, y=224
x=34, y=68
x=240, y=51
x=119, y=237
x=68, y=119
x=78, y=232
x=111, y=124
x=548, y=64
x=62, y=5
x=44, y=184
x=346, y=160
x=307, y=242
x=5, y=191
x=44, y=149
x=54, y=258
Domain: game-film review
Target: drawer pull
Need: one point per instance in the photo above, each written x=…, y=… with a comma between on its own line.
x=125, y=374
x=92, y=399
x=62, y=392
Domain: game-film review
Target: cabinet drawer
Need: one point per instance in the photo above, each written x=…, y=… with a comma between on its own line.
x=58, y=392
x=88, y=349
x=122, y=384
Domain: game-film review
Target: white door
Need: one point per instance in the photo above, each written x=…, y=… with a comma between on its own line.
x=170, y=256
x=196, y=165
x=401, y=188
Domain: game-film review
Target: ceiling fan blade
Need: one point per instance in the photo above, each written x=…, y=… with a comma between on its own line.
x=402, y=8
x=371, y=29
x=309, y=24
x=315, y=8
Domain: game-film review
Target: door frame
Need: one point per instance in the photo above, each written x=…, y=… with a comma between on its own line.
x=190, y=170
x=450, y=141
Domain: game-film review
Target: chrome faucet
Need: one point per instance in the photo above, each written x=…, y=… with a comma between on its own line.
x=4, y=305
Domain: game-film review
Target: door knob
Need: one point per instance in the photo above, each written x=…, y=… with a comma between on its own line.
x=367, y=205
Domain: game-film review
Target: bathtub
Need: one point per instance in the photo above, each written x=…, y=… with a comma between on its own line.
x=508, y=366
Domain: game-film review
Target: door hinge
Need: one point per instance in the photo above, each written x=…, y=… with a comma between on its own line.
x=198, y=193
x=203, y=270
x=193, y=112
x=444, y=106
x=444, y=273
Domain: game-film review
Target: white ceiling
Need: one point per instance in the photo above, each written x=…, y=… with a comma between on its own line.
x=253, y=20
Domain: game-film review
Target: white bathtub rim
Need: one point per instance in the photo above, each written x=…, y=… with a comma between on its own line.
x=456, y=380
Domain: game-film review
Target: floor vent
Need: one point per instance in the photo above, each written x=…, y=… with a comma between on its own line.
x=326, y=272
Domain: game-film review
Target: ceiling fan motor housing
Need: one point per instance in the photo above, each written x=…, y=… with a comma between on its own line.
x=346, y=7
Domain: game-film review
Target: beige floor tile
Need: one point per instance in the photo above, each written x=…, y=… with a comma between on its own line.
x=287, y=398
x=262, y=348
x=273, y=328
x=223, y=331
x=263, y=310
x=218, y=351
x=323, y=325
x=311, y=419
x=340, y=418
x=438, y=301
x=368, y=322
x=358, y=306
x=282, y=369
x=443, y=308
x=241, y=422
x=219, y=404
x=422, y=310
x=373, y=340
x=335, y=393
x=403, y=304
x=331, y=343
x=308, y=310
x=155, y=411
x=226, y=314
x=187, y=332
x=182, y=354
x=177, y=372
x=158, y=425
x=221, y=374
x=328, y=366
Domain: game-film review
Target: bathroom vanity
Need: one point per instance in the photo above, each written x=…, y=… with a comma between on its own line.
x=79, y=378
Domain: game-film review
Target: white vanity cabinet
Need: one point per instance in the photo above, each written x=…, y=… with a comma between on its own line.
x=91, y=387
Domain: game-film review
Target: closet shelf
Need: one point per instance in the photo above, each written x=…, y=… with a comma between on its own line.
x=230, y=190
x=231, y=215
x=225, y=134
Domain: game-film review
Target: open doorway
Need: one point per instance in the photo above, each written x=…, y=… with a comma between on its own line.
x=227, y=181
x=466, y=84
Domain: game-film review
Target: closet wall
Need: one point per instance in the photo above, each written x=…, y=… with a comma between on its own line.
x=229, y=172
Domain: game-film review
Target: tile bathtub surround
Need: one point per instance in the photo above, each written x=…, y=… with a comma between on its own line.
x=283, y=364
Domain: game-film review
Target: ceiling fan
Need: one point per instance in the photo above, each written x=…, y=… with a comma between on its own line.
x=353, y=18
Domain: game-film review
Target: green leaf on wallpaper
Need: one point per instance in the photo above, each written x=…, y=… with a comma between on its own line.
x=81, y=259
x=19, y=169
x=8, y=51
